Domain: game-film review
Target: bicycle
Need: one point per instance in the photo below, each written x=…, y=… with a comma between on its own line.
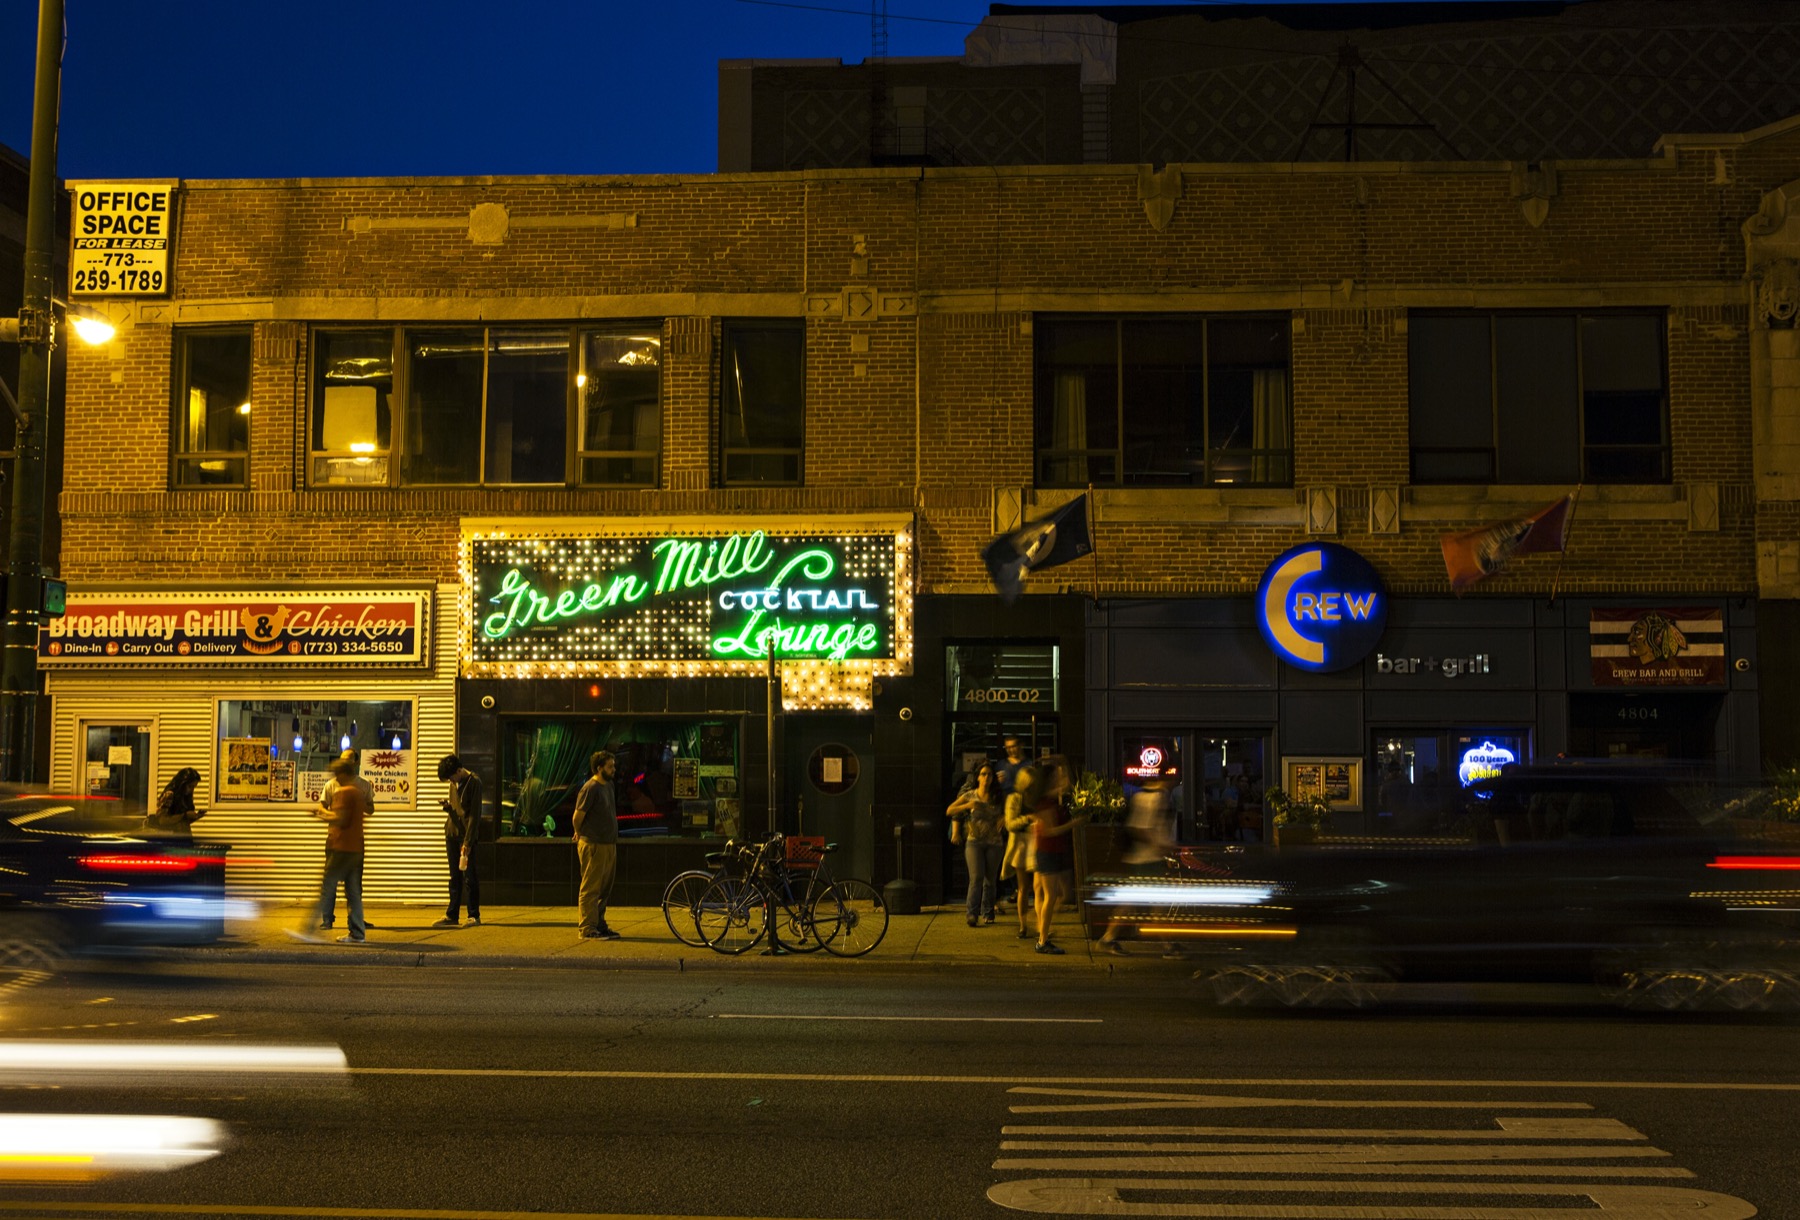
x=681, y=900
x=846, y=918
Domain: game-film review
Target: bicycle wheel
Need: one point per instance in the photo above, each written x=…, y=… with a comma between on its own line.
x=849, y=918
x=730, y=915
x=794, y=922
x=680, y=902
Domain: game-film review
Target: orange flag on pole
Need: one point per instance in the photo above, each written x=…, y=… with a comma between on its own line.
x=1480, y=552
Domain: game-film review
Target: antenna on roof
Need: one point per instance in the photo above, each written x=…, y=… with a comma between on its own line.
x=1349, y=63
x=878, y=53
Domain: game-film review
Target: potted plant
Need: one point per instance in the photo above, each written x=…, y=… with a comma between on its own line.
x=1102, y=801
x=1297, y=819
x=1770, y=812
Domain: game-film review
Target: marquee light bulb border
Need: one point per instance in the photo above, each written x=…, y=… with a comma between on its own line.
x=760, y=567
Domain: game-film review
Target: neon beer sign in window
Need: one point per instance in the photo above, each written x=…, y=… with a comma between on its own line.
x=1321, y=607
x=682, y=603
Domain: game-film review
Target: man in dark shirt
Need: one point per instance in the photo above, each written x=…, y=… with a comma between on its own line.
x=462, y=820
x=597, y=846
x=1005, y=772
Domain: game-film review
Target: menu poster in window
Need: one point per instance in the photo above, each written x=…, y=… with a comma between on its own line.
x=390, y=775
x=718, y=746
x=1337, y=783
x=724, y=785
x=687, y=779
x=281, y=780
x=1306, y=779
x=244, y=769
x=312, y=785
x=726, y=820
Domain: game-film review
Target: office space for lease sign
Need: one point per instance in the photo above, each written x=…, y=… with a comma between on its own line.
x=123, y=233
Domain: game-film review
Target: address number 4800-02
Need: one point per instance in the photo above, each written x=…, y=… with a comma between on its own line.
x=1002, y=694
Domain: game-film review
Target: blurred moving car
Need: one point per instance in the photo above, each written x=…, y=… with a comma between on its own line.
x=1653, y=883
x=79, y=873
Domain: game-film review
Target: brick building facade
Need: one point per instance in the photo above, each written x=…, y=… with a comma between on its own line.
x=938, y=316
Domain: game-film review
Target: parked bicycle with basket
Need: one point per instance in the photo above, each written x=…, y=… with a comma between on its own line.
x=781, y=889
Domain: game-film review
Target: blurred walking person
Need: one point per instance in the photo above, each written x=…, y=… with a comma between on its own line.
x=331, y=787
x=981, y=809
x=175, y=813
x=343, y=854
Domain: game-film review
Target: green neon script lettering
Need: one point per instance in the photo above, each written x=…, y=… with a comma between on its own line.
x=688, y=563
x=524, y=605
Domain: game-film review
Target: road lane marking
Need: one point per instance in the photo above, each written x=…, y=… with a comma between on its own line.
x=1375, y=1173
x=1509, y=1128
x=1165, y=1081
x=1104, y=1197
x=339, y=1213
x=1123, y=1100
x=770, y=1016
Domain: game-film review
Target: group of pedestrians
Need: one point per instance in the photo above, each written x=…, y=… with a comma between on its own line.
x=346, y=803
x=1012, y=822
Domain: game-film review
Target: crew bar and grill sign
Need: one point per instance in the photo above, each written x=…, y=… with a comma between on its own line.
x=287, y=629
x=687, y=600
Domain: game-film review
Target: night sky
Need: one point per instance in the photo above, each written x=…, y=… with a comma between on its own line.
x=249, y=89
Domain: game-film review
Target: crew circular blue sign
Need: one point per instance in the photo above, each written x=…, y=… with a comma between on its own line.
x=1321, y=606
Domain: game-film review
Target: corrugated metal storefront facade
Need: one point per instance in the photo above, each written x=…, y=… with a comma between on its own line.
x=280, y=845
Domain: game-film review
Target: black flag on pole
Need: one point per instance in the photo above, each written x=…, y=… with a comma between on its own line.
x=1044, y=543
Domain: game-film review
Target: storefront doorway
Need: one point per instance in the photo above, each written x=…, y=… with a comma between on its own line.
x=1217, y=779
x=117, y=763
x=1415, y=787
x=830, y=777
x=1644, y=725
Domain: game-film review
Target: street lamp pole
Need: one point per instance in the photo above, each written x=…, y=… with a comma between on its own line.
x=37, y=339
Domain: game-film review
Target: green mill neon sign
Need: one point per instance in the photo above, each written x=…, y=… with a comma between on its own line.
x=683, y=604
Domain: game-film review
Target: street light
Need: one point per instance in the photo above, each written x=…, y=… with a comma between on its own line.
x=35, y=332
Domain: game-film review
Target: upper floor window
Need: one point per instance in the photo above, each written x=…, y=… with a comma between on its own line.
x=1163, y=401
x=486, y=405
x=212, y=408
x=1538, y=397
x=620, y=388
x=762, y=401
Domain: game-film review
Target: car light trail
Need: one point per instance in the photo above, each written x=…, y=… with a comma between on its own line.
x=35, y=1060
x=82, y=1147
x=1185, y=895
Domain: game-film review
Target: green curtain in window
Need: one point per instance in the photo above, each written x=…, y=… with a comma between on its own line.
x=547, y=761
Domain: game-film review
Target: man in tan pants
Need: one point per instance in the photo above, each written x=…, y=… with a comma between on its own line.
x=597, y=846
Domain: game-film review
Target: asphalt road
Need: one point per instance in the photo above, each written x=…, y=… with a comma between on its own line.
x=486, y=1093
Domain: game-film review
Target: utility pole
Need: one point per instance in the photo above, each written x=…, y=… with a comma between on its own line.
x=37, y=340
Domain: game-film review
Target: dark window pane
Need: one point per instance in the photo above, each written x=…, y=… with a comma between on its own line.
x=1451, y=397
x=213, y=408
x=1248, y=431
x=1163, y=369
x=634, y=471
x=621, y=407
x=443, y=407
x=1623, y=400
x=213, y=471
x=352, y=416
x=762, y=403
x=527, y=406
x=1535, y=380
x=763, y=386
x=1077, y=408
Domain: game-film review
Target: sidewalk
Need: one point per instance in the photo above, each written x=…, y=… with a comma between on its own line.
x=545, y=937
